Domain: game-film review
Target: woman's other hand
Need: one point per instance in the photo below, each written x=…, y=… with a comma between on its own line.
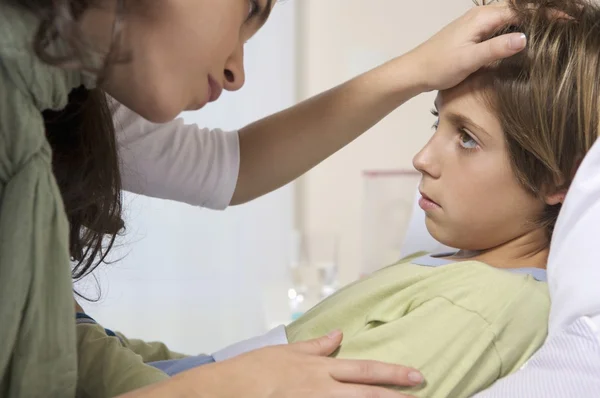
x=297, y=370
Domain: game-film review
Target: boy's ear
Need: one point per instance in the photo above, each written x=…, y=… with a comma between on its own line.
x=556, y=198
x=560, y=194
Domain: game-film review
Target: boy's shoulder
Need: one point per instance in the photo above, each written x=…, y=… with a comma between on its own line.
x=501, y=297
x=515, y=305
x=491, y=291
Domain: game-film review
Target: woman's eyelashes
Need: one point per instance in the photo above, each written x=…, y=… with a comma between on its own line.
x=436, y=114
x=253, y=9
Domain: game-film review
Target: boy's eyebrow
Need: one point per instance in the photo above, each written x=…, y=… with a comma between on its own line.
x=463, y=120
x=459, y=119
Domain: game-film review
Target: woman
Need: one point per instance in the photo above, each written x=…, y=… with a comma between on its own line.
x=121, y=47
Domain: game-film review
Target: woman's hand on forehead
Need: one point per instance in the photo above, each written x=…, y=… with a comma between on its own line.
x=464, y=48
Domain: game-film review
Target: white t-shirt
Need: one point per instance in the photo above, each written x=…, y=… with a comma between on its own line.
x=176, y=161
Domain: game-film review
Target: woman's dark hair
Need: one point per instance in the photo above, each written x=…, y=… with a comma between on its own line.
x=82, y=135
x=86, y=167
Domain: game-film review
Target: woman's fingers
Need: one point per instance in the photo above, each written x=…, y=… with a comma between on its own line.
x=355, y=371
x=497, y=48
x=299, y=371
x=486, y=20
x=323, y=346
x=373, y=372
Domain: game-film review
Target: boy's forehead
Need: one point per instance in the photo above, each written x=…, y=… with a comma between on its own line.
x=470, y=102
x=470, y=90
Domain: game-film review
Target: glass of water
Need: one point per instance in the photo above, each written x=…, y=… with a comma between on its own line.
x=314, y=272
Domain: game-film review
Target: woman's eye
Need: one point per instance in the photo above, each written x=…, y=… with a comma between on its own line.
x=253, y=9
x=435, y=113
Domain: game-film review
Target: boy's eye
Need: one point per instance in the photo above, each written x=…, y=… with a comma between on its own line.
x=466, y=141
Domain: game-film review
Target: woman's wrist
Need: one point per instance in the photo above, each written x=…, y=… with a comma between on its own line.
x=202, y=382
x=397, y=80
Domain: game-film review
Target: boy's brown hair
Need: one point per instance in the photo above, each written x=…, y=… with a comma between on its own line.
x=547, y=97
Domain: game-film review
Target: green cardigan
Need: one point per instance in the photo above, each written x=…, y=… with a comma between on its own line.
x=38, y=355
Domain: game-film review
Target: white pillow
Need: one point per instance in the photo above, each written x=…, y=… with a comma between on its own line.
x=574, y=263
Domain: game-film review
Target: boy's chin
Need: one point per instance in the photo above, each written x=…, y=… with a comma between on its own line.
x=441, y=234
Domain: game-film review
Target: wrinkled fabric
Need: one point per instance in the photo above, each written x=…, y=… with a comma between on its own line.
x=38, y=355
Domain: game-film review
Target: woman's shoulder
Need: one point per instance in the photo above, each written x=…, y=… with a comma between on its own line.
x=17, y=30
x=23, y=72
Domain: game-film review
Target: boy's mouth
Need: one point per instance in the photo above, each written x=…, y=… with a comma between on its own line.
x=426, y=203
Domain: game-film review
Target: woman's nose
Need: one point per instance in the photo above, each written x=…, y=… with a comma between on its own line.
x=234, y=73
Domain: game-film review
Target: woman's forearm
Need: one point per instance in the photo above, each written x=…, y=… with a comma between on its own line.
x=180, y=386
x=169, y=388
x=282, y=147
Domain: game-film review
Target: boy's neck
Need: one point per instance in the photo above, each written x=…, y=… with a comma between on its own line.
x=526, y=251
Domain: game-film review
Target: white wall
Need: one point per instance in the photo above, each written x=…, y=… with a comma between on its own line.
x=342, y=38
x=195, y=278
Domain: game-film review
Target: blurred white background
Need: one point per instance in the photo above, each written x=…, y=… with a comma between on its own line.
x=199, y=279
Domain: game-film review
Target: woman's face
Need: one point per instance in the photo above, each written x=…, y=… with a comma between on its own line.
x=181, y=53
x=471, y=196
